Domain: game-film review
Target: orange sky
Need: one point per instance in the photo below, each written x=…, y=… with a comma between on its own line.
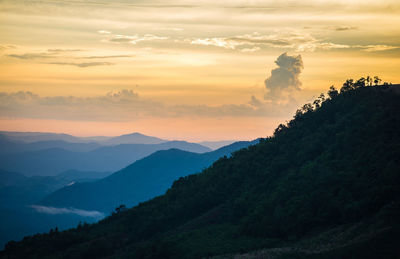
x=192, y=70
x=177, y=129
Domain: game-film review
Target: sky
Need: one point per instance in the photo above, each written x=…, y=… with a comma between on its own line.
x=192, y=70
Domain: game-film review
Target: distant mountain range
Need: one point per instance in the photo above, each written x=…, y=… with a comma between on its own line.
x=29, y=137
x=52, y=161
x=39, y=140
x=134, y=138
x=18, y=192
x=8, y=146
x=216, y=144
x=143, y=180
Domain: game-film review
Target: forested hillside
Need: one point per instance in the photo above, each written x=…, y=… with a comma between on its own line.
x=326, y=185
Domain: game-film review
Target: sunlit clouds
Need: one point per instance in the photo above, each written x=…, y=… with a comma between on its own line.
x=136, y=62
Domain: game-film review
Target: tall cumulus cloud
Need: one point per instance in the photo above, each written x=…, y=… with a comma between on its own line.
x=285, y=78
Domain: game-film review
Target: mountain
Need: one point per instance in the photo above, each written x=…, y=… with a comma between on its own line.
x=216, y=144
x=9, y=147
x=133, y=138
x=18, y=192
x=81, y=176
x=31, y=137
x=10, y=178
x=28, y=137
x=143, y=180
x=15, y=142
x=326, y=185
x=106, y=158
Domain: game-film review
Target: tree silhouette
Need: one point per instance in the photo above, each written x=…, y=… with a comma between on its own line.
x=377, y=80
x=332, y=92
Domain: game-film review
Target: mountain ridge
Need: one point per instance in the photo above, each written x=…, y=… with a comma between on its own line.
x=138, y=182
x=55, y=160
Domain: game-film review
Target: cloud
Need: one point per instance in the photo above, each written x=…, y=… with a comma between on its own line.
x=285, y=78
x=254, y=101
x=218, y=42
x=57, y=211
x=345, y=28
x=255, y=41
x=285, y=40
x=83, y=65
x=126, y=105
x=57, y=54
x=105, y=57
x=63, y=50
x=123, y=105
x=49, y=53
x=373, y=48
x=28, y=56
x=134, y=39
x=104, y=32
x=5, y=47
x=313, y=46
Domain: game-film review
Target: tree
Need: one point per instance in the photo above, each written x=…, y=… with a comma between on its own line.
x=347, y=86
x=317, y=103
x=332, y=92
x=369, y=81
x=279, y=129
x=362, y=82
x=322, y=97
x=377, y=80
x=120, y=208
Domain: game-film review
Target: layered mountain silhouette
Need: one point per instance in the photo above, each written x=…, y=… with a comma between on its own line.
x=133, y=138
x=216, y=144
x=31, y=137
x=11, y=147
x=52, y=161
x=17, y=190
x=143, y=180
x=326, y=185
x=18, y=193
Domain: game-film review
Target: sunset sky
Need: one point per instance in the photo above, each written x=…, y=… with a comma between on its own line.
x=193, y=70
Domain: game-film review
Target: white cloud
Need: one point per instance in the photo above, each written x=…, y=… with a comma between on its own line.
x=57, y=211
x=104, y=32
x=218, y=42
x=285, y=40
x=373, y=48
x=134, y=39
